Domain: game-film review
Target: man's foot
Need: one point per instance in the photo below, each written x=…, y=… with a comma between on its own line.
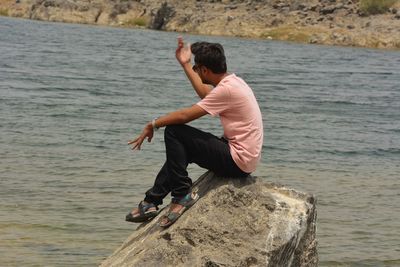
x=174, y=208
x=136, y=212
x=144, y=212
x=177, y=208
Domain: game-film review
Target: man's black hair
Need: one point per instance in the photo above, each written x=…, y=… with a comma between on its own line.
x=210, y=55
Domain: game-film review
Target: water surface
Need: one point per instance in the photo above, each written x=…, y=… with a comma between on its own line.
x=71, y=96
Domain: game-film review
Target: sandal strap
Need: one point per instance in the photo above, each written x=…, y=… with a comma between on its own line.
x=145, y=207
x=172, y=216
x=182, y=200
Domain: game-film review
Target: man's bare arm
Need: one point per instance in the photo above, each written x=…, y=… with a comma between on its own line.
x=177, y=117
x=183, y=55
x=181, y=116
x=201, y=89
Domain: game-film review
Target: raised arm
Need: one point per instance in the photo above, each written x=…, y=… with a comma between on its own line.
x=183, y=55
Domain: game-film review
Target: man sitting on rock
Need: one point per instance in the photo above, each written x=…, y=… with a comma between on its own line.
x=236, y=154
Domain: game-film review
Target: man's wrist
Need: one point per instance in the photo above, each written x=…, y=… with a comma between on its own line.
x=186, y=64
x=153, y=124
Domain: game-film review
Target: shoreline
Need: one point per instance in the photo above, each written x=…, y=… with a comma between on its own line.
x=314, y=22
x=221, y=35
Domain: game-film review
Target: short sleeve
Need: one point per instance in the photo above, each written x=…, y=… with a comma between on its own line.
x=216, y=102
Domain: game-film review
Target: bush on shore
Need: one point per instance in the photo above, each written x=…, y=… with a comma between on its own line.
x=4, y=12
x=141, y=22
x=372, y=7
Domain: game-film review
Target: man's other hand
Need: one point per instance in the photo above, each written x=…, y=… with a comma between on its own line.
x=183, y=53
x=147, y=132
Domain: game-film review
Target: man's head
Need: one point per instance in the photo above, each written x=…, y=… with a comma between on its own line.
x=209, y=55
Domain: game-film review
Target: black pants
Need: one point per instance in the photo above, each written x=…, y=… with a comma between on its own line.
x=184, y=145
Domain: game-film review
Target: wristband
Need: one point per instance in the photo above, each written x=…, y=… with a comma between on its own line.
x=153, y=123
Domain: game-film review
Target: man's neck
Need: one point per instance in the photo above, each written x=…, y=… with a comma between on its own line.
x=218, y=78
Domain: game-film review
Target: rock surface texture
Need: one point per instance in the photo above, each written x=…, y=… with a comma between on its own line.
x=234, y=223
x=333, y=22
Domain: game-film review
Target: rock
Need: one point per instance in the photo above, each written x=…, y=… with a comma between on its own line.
x=162, y=17
x=235, y=223
x=330, y=18
x=350, y=11
x=331, y=9
x=397, y=16
x=276, y=21
x=327, y=10
x=314, y=39
x=303, y=7
x=362, y=13
x=315, y=8
x=280, y=5
x=303, y=14
x=231, y=7
x=298, y=5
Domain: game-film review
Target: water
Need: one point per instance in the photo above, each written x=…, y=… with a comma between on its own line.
x=71, y=96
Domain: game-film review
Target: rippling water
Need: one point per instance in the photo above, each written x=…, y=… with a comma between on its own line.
x=71, y=96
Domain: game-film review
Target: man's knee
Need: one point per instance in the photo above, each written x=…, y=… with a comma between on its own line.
x=172, y=130
x=175, y=128
x=169, y=128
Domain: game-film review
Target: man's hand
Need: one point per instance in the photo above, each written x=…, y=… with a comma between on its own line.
x=183, y=53
x=147, y=132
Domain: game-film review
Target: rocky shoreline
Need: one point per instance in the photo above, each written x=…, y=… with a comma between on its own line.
x=331, y=22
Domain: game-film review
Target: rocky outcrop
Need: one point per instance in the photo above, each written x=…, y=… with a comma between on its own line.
x=234, y=223
x=334, y=22
x=163, y=15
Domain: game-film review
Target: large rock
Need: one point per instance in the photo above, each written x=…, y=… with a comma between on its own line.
x=162, y=17
x=235, y=223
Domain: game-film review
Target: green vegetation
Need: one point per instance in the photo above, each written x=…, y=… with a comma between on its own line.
x=372, y=7
x=4, y=12
x=136, y=22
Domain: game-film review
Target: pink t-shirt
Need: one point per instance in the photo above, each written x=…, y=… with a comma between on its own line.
x=234, y=102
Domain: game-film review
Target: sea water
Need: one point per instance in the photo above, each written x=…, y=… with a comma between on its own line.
x=71, y=96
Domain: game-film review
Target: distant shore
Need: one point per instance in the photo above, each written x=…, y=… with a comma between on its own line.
x=330, y=22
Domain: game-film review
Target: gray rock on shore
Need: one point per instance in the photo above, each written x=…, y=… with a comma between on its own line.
x=234, y=223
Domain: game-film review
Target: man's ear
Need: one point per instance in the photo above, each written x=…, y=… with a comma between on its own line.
x=204, y=69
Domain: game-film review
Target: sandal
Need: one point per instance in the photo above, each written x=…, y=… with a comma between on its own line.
x=144, y=213
x=187, y=201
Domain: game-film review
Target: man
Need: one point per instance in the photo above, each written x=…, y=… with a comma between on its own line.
x=236, y=154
